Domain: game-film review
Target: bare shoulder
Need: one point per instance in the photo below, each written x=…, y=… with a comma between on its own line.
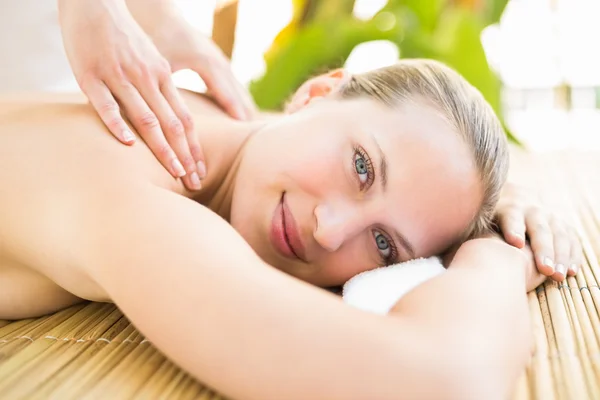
x=202, y=105
x=14, y=102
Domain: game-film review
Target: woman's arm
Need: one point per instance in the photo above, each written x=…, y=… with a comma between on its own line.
x=153, y=15
x=466, y=305
x=196, y=289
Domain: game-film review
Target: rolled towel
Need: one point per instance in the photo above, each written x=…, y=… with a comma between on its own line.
x=379, y=289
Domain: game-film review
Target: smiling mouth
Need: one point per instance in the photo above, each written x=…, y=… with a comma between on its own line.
x=284, y=235
x=285, y=230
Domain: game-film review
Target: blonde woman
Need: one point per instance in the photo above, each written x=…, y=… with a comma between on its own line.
x=401, y=162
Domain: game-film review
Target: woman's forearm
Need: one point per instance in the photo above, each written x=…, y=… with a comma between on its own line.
x=154, y=15
x=480, y=305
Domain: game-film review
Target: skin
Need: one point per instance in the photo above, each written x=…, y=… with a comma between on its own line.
x=338, y=214
x=521, y=215
x=75, y=226
x=123, y=53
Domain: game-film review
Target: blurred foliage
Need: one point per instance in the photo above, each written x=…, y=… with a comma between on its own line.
x=323, y=33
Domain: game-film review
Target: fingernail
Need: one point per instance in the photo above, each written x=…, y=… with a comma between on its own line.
x=177, y=168
x=548, y=262
x=128, y=136
x=561, y=269
x=573, y=269
x=201, y=169
x=195, y=180
x=518, y=236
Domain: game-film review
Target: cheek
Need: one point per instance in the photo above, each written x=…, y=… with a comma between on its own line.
x=322, y=169
x=352, y=259
x=317, y=175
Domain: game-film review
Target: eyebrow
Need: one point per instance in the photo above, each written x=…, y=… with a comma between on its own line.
x=383, y=167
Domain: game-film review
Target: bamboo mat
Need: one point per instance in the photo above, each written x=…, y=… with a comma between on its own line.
x=92, y=351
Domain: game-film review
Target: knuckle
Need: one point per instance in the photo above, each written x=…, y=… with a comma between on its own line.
x=507, y=213
x=558, y=228
x=175, y=127
x=148, y=120
x=515, y=220
x=188, y=163
x=541, y=227
x=536, y=214
x=109, y=108
x=138, y=71
x=116, y=72
x=163, y=151
x=187, y=121
x=114, y=123
x=86, y=79
x=560, y=233
x=143, y=73
x=163, y=69
x=195, y=148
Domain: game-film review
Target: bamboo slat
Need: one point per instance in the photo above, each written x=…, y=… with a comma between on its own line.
x=92, y=351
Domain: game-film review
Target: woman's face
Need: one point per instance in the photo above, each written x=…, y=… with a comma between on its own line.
x=345, y=186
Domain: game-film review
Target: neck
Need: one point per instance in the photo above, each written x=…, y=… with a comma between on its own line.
x=223, y=141
x=224, y=153
x=223, y=148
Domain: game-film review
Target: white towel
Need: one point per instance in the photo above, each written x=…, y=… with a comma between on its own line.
x=379, y=289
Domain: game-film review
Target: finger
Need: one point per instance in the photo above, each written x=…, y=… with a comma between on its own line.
x=245, y=96
x=562, y=251
x=174, y=132
x=542, y=243
x=576, y=253
x=108, y=109
x=174, y=99
x=512, y=225
x=148, y=126
x=220, y=83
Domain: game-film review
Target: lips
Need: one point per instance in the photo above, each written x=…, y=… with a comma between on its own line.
x=284, y=232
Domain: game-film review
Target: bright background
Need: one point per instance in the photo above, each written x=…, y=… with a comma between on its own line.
x=538, y=46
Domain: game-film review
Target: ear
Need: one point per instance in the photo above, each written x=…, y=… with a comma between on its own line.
x=317, y=88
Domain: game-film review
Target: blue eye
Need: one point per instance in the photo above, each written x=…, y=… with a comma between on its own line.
x=363, y=167
x=383, y=245
x=387, y=248
x=360, y=165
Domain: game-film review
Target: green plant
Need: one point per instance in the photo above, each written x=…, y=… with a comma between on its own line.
x=322, y=34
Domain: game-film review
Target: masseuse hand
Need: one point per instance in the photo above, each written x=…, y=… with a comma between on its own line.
x=555, y=244
x=117, y=64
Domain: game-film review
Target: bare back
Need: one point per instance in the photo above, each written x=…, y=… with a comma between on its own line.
x=57, y=160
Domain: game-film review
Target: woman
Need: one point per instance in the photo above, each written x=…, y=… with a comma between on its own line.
x=398, y=163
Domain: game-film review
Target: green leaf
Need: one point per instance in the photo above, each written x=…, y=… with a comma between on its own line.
x=323, y=33
x=332, y=9
x=317, y=48
x=494, y=10
x=426, y=12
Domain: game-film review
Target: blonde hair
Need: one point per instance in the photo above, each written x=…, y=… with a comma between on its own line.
x=460, y=104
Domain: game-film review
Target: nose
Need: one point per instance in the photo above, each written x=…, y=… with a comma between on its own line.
x=335, y=224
